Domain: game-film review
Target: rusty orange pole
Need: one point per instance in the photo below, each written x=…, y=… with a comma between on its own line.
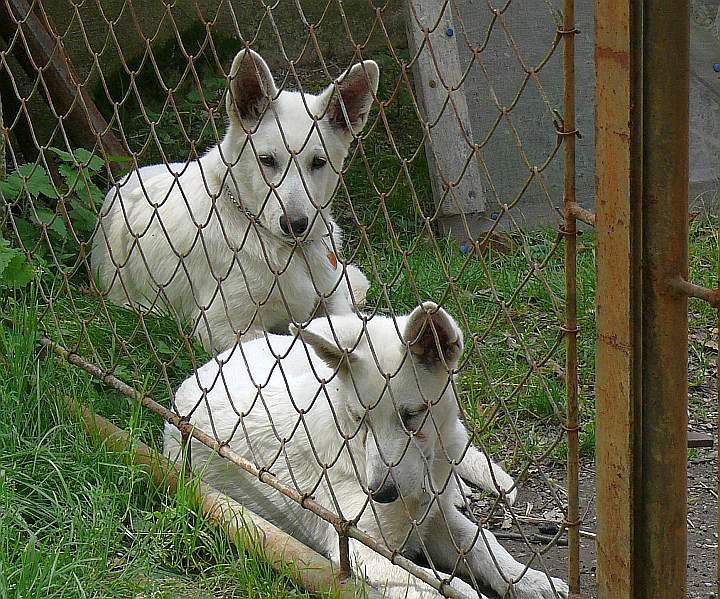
x=618, y=224
x=641, y=59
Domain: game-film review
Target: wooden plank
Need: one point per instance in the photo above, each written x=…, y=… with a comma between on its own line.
x=432, y=37
x=315, y=572
x=40, y=51
x=697, y=439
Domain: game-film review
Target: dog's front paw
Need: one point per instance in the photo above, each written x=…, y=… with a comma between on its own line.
x=536, y=585
x=506, y=482
x=359, y=285
x=466, y=589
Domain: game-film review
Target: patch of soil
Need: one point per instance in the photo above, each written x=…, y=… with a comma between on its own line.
x=702, y=526
x=536, y=499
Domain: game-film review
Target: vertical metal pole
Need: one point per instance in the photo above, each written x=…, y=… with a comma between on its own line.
x=571, y=331
x=666, y=90
x=618, y=177
x=641, y=60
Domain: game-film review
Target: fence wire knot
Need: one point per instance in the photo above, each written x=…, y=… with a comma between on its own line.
x=572, y=523
x=561, y=131
x=566, y=232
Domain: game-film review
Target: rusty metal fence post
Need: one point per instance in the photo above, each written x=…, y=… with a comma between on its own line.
x=641, y=160
x=573, y=520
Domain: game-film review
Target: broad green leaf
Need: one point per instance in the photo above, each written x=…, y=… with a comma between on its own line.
x=36, y=181
x=7, y=253
x=83, y=219
x=65, y=156
x=53, y=221
x=17, y=273
x=29, y=233
x=70, y=174
x=81, y=185
x=89, y=160
x=80, y=156
x=10, y=188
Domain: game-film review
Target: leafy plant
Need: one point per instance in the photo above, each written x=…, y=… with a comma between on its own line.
x=52, y=219
x=162, y=131
x=15, y=271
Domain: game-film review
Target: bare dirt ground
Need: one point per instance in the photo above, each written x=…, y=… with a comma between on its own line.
x=702, y=549
x=702, y=529
x=702, y=535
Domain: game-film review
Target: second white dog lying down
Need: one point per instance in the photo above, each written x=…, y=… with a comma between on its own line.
x=384, y=425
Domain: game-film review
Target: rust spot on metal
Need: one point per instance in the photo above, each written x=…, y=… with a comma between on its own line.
x=641, y=163
x=606, y=53
x=611, y=340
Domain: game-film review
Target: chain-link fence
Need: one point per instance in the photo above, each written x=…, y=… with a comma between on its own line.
x=356, y=244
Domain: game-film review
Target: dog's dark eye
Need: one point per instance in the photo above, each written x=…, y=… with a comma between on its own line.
x=267, y=160
x=318, y=162
x=411, y=417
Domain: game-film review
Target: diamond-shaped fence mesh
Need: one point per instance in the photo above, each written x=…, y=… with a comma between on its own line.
x=356, y=245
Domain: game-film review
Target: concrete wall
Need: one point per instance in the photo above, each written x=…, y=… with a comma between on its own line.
x=281, y=34
x=704, y=103
x=532, y=24
x=521, y=40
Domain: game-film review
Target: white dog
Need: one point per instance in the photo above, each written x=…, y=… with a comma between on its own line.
x=363, y=409
x=242, y=240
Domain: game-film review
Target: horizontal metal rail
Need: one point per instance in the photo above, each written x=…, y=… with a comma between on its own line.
x=581, y=214
x=711, y=296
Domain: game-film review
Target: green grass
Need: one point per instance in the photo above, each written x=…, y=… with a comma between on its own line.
x=81, y=523
x=76, y=520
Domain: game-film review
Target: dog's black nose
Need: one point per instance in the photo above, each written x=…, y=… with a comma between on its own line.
x=297, y=225
x=385, y=494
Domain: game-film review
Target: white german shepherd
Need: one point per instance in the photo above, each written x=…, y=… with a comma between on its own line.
x=242, y=240
x=363, y=416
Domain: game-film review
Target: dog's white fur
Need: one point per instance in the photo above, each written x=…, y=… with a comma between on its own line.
x=173, y=237
x=329, y=415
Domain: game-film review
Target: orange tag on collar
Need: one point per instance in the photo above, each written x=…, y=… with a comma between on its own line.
x=332, y=259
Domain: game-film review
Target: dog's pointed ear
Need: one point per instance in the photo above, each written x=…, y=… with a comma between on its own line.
x=328, y=342
x=251, y=89
x=347, y=102
x=433, y=336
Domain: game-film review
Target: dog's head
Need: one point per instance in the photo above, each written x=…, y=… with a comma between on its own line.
x=285, y=149
x=395, y=389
